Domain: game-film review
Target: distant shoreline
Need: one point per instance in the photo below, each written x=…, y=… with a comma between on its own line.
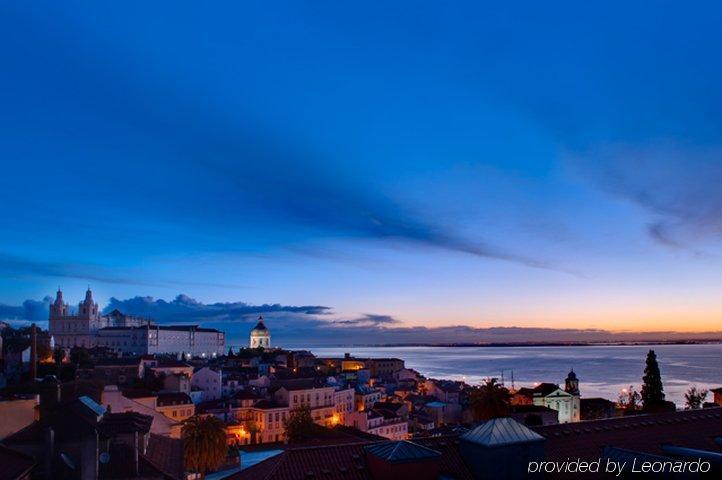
x=525, y=344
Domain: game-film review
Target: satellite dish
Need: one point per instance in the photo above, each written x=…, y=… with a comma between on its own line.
x=104, y=458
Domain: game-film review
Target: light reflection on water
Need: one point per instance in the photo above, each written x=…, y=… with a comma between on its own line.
x=603, y=370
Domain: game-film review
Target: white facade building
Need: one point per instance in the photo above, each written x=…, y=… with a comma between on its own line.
x=125, y=333
x=210, y=381
x=260, y=335
x=566, y=402
x=80, y=329
x=149, y=339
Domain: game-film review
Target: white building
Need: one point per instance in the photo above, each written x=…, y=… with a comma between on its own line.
x=128, y=334
x=210, y=381
x=80, y=329
x=260, y=335
x=371, y=421
x=149, y=339
x=566, y=402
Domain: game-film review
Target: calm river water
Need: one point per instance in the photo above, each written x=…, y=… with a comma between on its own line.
x=602, y=370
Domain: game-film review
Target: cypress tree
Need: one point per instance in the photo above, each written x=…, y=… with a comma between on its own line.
x=652, y=389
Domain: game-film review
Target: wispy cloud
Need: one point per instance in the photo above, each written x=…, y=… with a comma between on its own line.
x=229, y=171
x=678, y=186
x=369, y=319
x=18, y=267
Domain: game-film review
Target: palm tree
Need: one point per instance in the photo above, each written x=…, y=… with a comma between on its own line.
x=490, y=400
x=204, y=444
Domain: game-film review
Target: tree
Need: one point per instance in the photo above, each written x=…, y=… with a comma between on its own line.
x=694, y=398
x=58, y=357
x=79, y=356
x=253, y=429
x=299, y=424
x=629, y=400
x=230, y=352
x=652, y=389
x=204, y=444
x=490, y=400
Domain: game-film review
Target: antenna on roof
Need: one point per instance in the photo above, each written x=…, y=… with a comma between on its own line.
x=512, y=380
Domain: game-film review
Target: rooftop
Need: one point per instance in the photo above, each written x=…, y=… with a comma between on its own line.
x=401, y=451
x=173, y=398
x=126, y=422
x=501, y=431
x=346, y=462
x=640, y=433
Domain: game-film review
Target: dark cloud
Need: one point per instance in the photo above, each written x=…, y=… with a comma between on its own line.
x=369, y=320
x=30, y=310
x=307, y=326
x=184, y=309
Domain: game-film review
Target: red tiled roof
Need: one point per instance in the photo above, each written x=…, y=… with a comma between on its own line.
x=640, y=433
x=14, y=464
x=173, y=398
x=166, y=455
x=127, y=422
x=344, y=462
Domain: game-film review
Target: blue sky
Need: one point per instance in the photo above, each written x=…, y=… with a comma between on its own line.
x=469, y=164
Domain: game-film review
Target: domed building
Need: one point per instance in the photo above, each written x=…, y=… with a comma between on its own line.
x=260, y=335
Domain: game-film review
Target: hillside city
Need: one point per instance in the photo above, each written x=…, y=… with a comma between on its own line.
x=111, y=395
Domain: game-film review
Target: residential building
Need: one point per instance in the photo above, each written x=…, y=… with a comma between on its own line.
x=385, y=367
x=175, y=405
x=210, y=381
x=381, y=423
x=366, y=397
x=113, y=398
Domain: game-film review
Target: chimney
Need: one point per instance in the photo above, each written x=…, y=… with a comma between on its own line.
x=33, y=353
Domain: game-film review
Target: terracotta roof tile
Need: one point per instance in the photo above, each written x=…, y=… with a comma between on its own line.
x=639, y=433
x=345, y=462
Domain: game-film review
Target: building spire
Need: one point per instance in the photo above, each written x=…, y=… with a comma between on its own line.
x=89, y=296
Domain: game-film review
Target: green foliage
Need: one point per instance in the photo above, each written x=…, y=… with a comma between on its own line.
x=694, y=398
x=652, y=389
x=490, y=400
x=299, y=424
x=204, y=444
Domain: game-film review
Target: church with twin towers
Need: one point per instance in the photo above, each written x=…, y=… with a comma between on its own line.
x=88, y=327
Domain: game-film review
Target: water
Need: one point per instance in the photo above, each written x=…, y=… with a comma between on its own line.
x=602, y=370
